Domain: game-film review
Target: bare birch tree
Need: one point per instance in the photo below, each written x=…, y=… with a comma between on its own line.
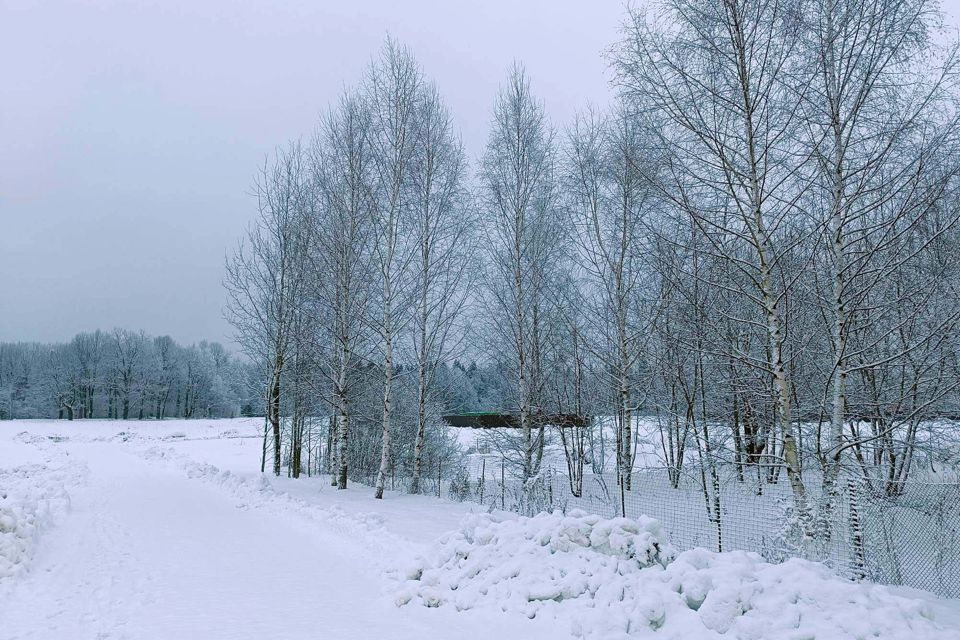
x=608, y=193
x=394, y=87
x=875, y=119
x=341, y=161
x=520, y=198
x=265, y=277
x=719, y=74
x=442, y=265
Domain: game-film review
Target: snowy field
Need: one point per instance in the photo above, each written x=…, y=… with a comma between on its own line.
x=161, y=530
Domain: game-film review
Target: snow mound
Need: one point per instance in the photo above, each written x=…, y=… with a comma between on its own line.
x=739, y=595
x=526, y=563
x=620, y=578
x=32, y=497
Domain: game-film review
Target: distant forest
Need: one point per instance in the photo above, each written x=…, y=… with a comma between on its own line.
x=123, y=374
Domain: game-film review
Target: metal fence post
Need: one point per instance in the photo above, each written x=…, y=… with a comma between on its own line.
x=483, y=476
x=503, y=486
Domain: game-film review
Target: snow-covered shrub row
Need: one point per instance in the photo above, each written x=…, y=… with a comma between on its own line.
x=619, y=579
x=31, y=498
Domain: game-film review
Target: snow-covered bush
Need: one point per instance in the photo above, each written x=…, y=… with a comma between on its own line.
x=788, y=542
x=533, y=496
x=460, y=488
x=536, y=494
x=479, y=490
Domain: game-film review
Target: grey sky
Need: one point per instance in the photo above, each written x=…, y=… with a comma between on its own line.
x=130, y=131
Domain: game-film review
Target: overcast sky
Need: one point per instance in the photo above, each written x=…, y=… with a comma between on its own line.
x=130, y=131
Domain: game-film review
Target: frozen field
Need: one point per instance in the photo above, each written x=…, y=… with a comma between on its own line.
x=162, y=530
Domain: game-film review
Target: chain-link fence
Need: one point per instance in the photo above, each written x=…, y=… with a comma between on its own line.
x=910, y=536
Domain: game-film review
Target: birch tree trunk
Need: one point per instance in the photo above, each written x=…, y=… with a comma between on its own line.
x=274, y=413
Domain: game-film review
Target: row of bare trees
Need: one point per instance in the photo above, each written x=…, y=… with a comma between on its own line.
x=807, y=178
x=756, y=244
x=360, y=259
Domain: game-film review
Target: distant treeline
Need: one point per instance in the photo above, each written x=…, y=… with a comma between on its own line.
x=125, y=375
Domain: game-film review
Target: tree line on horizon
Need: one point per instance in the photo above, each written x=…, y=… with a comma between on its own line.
x=131, y=375
x=123, y=375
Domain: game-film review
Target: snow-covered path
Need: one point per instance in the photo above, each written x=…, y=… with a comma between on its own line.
x=148, y=553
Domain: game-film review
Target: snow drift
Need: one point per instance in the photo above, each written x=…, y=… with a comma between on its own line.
x=620, y=578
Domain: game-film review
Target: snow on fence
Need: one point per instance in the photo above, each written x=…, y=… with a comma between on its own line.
x=911, y=538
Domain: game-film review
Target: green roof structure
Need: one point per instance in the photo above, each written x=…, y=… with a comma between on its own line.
x=494, y=420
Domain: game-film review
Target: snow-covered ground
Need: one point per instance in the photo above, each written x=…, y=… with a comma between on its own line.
x=648, y=449
x=163, y=530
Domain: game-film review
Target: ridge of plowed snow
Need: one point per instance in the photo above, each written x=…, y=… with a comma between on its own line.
x=618, y=578
x=32, y=497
